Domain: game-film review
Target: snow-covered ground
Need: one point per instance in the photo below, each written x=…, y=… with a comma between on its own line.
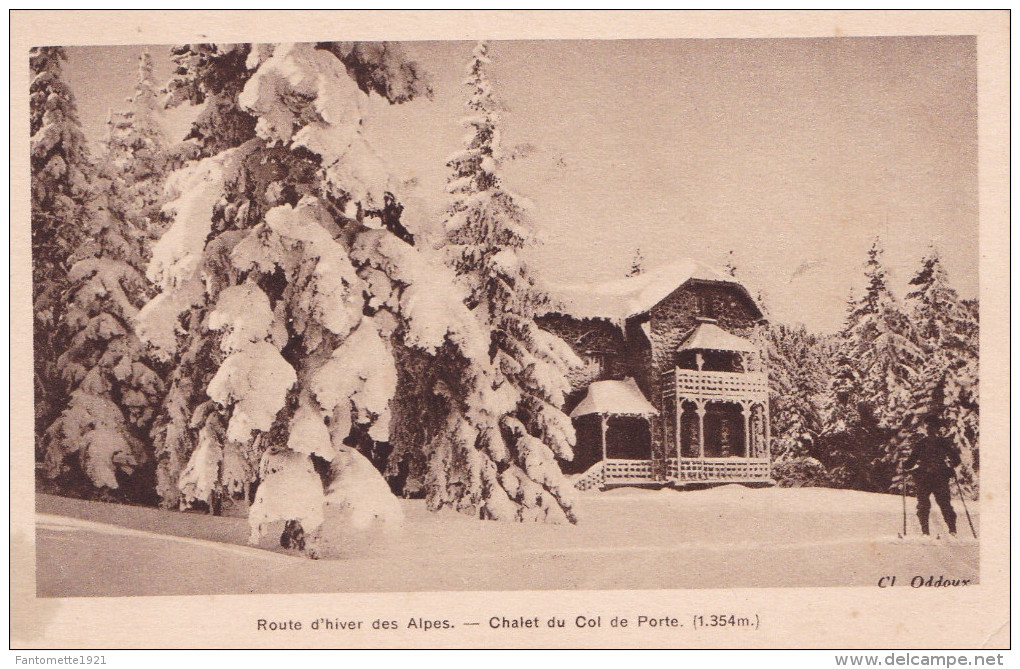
x=729, y=536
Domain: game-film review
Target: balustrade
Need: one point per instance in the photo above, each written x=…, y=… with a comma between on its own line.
x=723, y=469
x=684, y=470
x=729, y=386
x=624, y=471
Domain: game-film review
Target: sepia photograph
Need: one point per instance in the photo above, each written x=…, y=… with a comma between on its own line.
x=506, y=315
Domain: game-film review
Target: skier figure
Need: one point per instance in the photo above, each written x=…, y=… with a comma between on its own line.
x=933, y=461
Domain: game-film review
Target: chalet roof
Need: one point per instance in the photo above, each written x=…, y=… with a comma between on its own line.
x=712, y=337
x=620, y=398
x=620, y=299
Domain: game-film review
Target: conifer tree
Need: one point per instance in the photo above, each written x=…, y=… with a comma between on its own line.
x=878, y=338
x=798, y=381
x=876, y=365
x=290, y=288
x=101, y=432
x=62, y=179
x=946, y=332
x=213, y=76
x=113, y=389
x=488, y=231
x=136, y=155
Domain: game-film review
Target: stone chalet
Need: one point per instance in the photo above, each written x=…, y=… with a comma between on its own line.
x=674, y=389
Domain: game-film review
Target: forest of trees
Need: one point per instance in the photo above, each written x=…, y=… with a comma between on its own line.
x=846, y=408
x=244, y=318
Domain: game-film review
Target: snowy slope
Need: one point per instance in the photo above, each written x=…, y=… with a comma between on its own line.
x=626, y=538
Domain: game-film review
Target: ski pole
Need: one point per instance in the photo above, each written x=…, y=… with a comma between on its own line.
x=959, y=489
x=903, y=495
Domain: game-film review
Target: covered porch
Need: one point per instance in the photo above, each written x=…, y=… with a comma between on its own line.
x=614, y=439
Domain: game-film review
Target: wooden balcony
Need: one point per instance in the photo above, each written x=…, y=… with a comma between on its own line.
x=719, y=386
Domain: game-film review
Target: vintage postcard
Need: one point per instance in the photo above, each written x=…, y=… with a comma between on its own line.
x=510, y=329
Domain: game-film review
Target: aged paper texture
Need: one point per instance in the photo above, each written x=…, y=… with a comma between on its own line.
x=632, y=329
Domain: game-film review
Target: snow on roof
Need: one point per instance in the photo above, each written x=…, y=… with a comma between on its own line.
x=622, y=398
x=712, y=337
x=621, y=298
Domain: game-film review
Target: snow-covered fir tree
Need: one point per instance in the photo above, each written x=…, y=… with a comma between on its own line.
x=289, y=287
x=946, y=331
x=877, y=337
x=212, y=76
x=798, y=381
x=841, y=401
x=62, y=180
x=512, y=452
x=876, y=364
x=99, y=437
x=135, y=160
x=102, y=432
x=799, y=377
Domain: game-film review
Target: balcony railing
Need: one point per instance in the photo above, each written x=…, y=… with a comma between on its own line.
x=615, y=472
x=711, y=470
x=734, y=386
x=686, y=470
x=628, y=471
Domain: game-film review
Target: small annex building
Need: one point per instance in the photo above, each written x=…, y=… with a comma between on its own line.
x=674, y=388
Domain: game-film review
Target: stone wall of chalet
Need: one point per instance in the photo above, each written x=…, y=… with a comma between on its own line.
x=598, y=342
x=638, y=352
x=676, y=316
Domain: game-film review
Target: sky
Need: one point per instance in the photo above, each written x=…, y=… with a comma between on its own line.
x=788, y=156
